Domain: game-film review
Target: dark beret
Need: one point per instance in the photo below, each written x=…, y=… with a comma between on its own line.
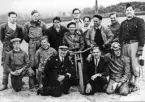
x=34, y=11
x=70, y=24
x=98, y=16
x=129, y=5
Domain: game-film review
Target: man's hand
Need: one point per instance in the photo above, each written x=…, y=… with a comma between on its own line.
x=60, y=78
x=16, y=73
x=116, y=85
x=139, y=53
x=119, y=84
x=40, y=86
x=88, y=88
x=95, y=76
x=104, y=45
x=20, y=70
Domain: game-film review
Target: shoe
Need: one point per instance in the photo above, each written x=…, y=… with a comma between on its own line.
x=135, y=88
x=4, y=87
x=66, y=92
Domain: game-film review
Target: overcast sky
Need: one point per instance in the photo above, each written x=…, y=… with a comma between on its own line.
x=51, y=6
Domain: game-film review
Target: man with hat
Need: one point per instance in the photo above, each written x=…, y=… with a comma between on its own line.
x=17, y=63
x=98, y=34
x=33, y=30
x=9, y=31
x=74, y=39
x=57, y=73
x=119, y=66
x=132, y=39
x=44, y=53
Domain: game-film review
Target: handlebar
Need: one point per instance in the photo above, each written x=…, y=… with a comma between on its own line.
x=77, y=52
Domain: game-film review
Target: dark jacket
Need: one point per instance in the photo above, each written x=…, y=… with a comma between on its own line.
x=17, y=60
x=133, y=29
x=54, y=67
x=7, y=34
x=55, y=38
x=90, y=69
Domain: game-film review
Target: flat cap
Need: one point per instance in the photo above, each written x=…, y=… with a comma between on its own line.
x=15, y=40
x=98, y=16
x=70, y=23
x=63, y=46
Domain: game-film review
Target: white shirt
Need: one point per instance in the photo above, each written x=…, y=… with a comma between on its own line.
x=61, y=58
x=98, y=27
x=12, y=26
x=79, y=23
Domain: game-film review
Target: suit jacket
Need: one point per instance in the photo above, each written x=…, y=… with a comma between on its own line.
x=90, y=69
x=54, y=67
x=106, y=33
x=55, y=39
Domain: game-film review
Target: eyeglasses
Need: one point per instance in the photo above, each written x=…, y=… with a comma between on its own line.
x=76, y=13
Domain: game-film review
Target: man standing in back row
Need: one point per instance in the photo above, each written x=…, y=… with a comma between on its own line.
x=8, y=31
x=132, y=39
x=33, y=31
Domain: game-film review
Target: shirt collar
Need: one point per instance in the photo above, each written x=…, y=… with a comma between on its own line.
x=98, y=27
x=97, y=60
x=12, y=26
x=81, y=21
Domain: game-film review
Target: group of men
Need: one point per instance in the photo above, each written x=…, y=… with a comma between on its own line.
x=112, y=65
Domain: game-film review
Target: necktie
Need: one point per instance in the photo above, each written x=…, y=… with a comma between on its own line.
x=96, y=65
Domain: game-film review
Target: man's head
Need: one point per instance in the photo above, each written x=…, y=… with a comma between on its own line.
x=44, y=42
x=56, y=22
x=72, y=27
x=63, y=50
x=113, y=18
x=16, y=43
x=35, y=15
x=96, y=52
x=87, y=21
x=76, y=13
x=12, y=17
x=115, y=47
x=97, y=19
x=129, y=10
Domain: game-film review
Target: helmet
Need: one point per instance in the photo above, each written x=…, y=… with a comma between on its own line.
x=115, y=46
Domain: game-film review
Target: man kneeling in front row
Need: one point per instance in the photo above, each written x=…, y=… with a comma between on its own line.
x=18, y=64
x=57, y=74
x=96, y=72
x=119, y=66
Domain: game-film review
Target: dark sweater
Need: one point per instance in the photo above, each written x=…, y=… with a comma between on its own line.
x=133, y=29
